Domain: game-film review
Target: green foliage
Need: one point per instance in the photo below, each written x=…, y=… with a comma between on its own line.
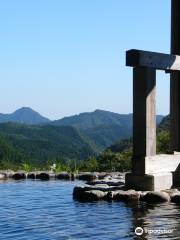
x=6, y=163
x=163, y=136
x=10, y=158
x=164, y=124
x=113, y=161
x=27, y=167
x=37, y=144
x=163, y=142
x=100, y=128
x=96, y=119
x=60, y=167
x=122, y=145
x=37, y=147
x=90, y=165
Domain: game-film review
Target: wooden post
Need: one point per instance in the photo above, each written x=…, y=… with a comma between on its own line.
x=144, y=117
x=175, y=78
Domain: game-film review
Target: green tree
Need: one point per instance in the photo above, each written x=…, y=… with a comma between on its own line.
x=163, y=142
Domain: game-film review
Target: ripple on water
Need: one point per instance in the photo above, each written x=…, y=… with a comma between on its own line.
x=45, y=210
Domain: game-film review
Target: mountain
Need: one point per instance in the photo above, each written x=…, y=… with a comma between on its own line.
x=159, y=119
x=95, y=119
x=164, y=124
x=24, y=115
x=98, y=129
x=162, y=140
x=102, y=128
x=38, y=144
x=78, y=137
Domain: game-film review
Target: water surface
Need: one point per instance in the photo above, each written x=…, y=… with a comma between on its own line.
x=45, y=210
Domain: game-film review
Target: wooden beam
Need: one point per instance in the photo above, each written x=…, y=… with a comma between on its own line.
x=159, y=61
x=175, y=79
x=144, y=117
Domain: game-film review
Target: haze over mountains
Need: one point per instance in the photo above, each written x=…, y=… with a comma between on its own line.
x=25, y=134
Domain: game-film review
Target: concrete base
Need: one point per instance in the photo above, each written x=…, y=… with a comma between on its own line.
x=162, y=163
x=149, y=182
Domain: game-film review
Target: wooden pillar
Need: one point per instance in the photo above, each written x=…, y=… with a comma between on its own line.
x=175, y=78
x=144, y=117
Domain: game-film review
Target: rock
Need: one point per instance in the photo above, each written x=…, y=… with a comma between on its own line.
x=97, y=187
x=19, y=175
x=80, y=194
x=143, y=193
x=172, y=190
x=102, y=175
x=105, y=192
x=3, y=176
x=175, y=198
x=129, y=195
x=86, y=194
x=63, y=176
x=155, y=197
x=31, y=175
x=73, y=176
x=45, y=175
x=118, y=176
x=87, y=176
x=8, y=173
x=103, y=186
x=94, y=195
x=109, y=183
x=109, y=196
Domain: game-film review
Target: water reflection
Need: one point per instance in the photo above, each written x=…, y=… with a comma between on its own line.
x=164, y=217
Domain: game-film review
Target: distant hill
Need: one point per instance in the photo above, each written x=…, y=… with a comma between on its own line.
x=24, y=115
x=38, y=144
x=103, y=128
x=82, y=121
x=164, y=124
x=26, y=135
x=97, y=118
x=162, y=139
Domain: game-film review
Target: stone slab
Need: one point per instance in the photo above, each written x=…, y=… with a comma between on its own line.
x=162, y=163
x=147, y=182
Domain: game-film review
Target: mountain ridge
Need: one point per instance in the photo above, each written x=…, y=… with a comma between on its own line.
x=24, y=115
x=93, y=119
x=99, y=128
x=79, y=138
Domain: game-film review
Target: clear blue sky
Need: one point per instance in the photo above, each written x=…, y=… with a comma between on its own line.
x=63, y=57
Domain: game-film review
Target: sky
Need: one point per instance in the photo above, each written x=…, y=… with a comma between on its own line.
x=63, y=57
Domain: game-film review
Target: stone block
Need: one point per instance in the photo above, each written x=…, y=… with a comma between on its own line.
x=149, y=182
x=162, y=163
